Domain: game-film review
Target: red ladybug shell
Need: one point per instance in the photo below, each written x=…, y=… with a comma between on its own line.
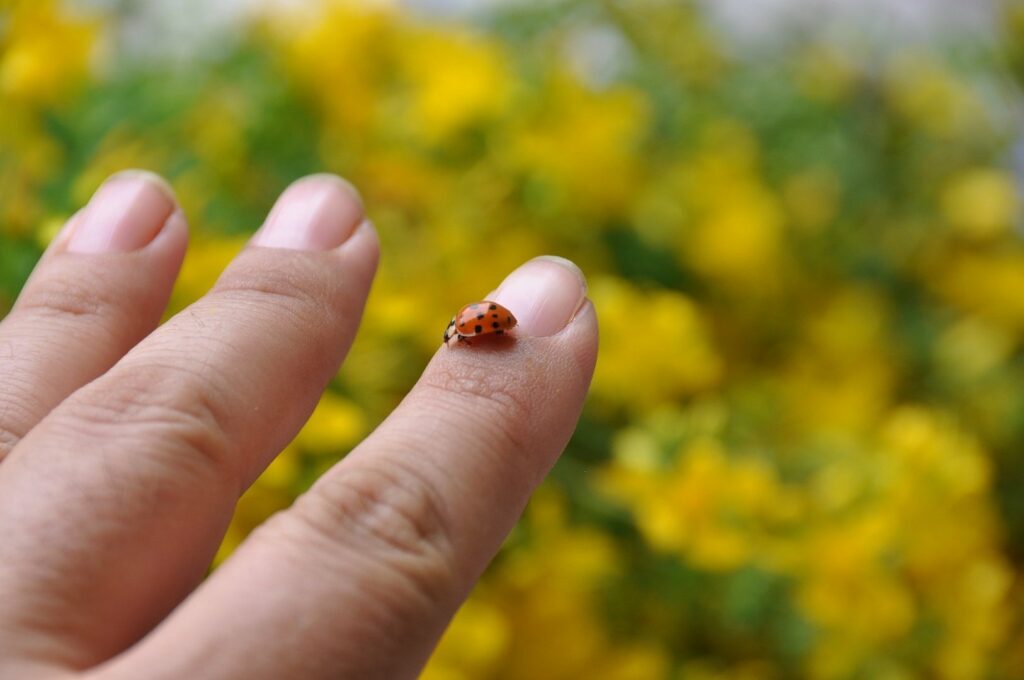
x=480, y=318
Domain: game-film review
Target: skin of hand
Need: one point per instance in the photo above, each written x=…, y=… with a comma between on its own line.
x=124, y=446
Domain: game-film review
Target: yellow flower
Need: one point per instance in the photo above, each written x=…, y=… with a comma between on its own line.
x=736, y=237
x=936, y=453
x=988, y=284
x=580, y=151
x=44, y=54
x=841, y=374
x=739, y=242
x=272, y=492
x=848, y=591
x=655, y=346
x=340, y=54
x=206, y=258
x=932, y=97
x=335, y=426
x=971, y=348
x=881, y=561
x=457, y=79
x=473, y=645
x=713, y=509
x=980, y=203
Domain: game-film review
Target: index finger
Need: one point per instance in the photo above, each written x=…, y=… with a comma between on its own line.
x=361, y=576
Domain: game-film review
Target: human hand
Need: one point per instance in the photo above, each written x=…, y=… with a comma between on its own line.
x=128, y=445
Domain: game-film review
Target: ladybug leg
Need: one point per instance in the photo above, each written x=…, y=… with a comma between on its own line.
x=449, y=331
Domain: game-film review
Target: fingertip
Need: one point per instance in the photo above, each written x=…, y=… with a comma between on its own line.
x=584, y=335
x=125, y=214
x=331, y=178
x=316, y=212
x=172, y=237
x=365, y=236
x=363, y=247
x=147, y=176
x=544, y=294
x=584, y=321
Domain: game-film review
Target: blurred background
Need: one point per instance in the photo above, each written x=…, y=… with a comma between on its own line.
x=805, y=216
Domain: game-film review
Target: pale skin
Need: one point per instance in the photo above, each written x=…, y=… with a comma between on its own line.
x=125, y=444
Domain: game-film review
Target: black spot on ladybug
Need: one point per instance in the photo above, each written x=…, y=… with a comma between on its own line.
x=494, y=316
x=479, y=316
x=479, y=328
x=495, y=325
x=493, y=307
x=499, y=332
x=508, y=319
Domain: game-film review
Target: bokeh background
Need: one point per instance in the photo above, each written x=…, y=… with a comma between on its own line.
x=802, y=454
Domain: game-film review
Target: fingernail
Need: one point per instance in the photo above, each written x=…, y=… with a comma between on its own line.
x=124, y=214
x=544, y=294
x=318, y=212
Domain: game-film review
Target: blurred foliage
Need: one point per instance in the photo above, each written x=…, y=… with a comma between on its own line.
x=813, y=471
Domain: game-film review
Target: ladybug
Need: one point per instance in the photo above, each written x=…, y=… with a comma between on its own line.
x=479, y=318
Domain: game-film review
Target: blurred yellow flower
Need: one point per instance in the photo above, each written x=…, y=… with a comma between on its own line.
x=932, y=97
x=44, y=53
x=971, y=348
x=335, y=426
x=989, y=285
x=339, y=55
x=474, y=644
x=841, y=374
x=711, y=508
x=44, y=57
x=980, y=203
x=739, y=243
x=582, y=147
x=455, y=80
x=737, y=236
x=655, y=346
x=206, y=258
x=272, y=492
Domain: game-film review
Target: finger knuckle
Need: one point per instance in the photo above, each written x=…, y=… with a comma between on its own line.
x=180, y=420
x=9, y=438
x=395, y=515
x=10, y=434
x=294, y=288
x=69, y=297
x=19, y=409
